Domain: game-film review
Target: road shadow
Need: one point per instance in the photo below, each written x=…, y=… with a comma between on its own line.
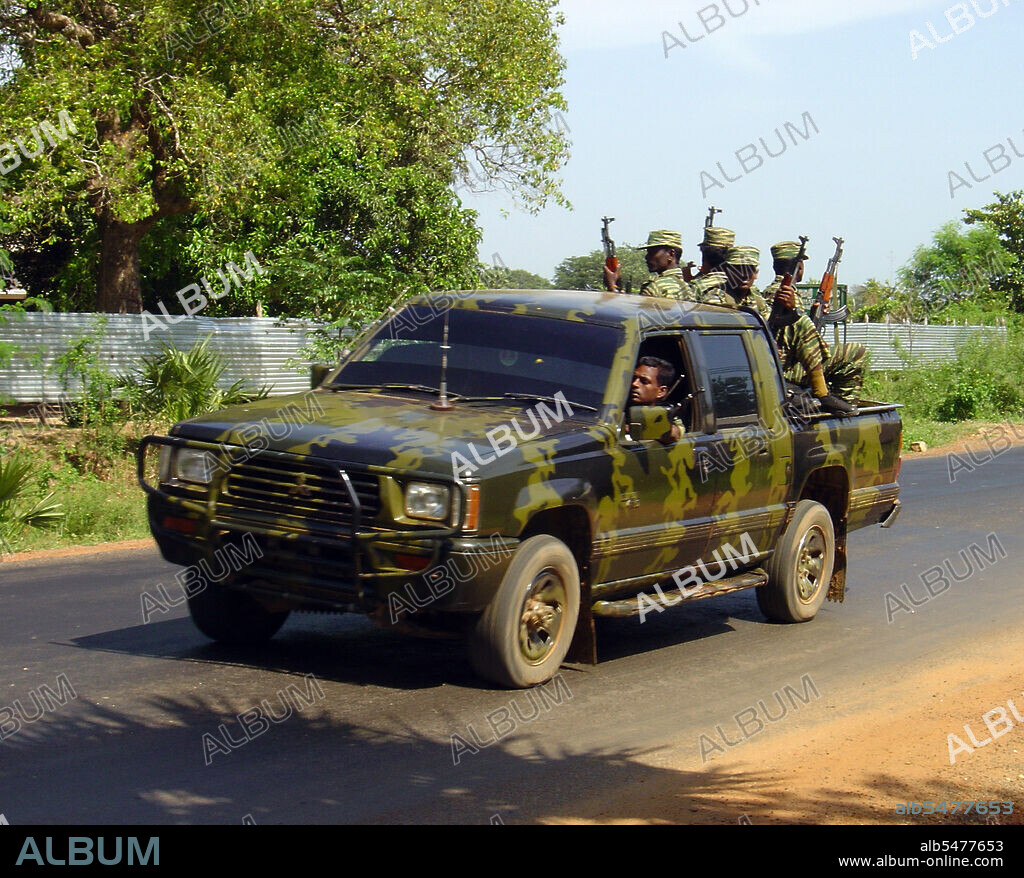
x=169, y=763
x=352, y=649
x=675, y=626
x=344, y=649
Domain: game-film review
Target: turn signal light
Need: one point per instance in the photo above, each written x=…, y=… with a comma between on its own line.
x=472, y=508
x=185, y=525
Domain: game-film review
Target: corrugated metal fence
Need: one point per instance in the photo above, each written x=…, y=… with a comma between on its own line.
x=255, y=349
x=923, y=343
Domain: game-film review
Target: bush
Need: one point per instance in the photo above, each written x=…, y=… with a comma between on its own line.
x=95, y=404
x=17, y=510
x=176, y=385
x=984, y=381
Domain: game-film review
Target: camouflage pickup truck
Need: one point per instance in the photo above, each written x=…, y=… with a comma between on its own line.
x=474, y=469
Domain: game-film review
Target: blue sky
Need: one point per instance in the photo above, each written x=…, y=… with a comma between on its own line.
x=890, y=127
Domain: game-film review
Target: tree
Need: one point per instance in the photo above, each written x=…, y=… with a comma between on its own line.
x=876, y=300
x=956, y=267
x=311, y=133
x=1005, y=217
x=580, y=272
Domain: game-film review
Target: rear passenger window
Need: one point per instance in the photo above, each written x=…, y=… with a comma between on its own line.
x=725, y=360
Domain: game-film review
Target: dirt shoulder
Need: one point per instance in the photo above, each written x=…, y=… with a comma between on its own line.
x=891, y=747
x=984, y=439
x=76, y=551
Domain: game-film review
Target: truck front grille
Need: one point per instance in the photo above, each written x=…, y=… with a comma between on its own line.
x=298, y=494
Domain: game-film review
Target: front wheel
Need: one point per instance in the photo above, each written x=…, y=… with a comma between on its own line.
x=525, y=632
x=801, y=568
x=232, y=616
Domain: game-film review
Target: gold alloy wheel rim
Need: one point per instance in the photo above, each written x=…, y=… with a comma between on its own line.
x=810, y=564
x=541, y=619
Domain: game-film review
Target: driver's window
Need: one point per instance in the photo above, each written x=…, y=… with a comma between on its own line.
x=661, y=378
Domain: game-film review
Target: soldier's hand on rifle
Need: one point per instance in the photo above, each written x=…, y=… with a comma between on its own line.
x=611, y=279
x=786, y=297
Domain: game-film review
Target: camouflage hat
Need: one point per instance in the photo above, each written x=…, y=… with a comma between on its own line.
x=786, y=250
x=743, y=256
x=718, y=238
x=662, y=238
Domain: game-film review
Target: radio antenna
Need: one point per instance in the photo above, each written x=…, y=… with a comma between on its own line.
x=442, y=404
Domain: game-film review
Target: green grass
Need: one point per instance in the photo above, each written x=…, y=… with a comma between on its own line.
x=946, y=402
x=937, y=434
x=91, y=474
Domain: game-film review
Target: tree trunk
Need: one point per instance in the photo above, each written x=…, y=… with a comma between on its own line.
x=119, y=290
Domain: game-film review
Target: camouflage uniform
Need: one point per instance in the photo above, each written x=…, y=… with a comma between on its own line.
x=758, y=302
x=802, y=349
x=670, y=284
x=709, y=283
x=736, y=256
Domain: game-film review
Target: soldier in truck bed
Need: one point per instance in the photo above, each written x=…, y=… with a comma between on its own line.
x=807, y=351
x=713, y=248
x=664, y=249
x=800, y=344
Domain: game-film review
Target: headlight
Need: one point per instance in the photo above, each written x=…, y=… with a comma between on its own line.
x=194, y=466
x=423, y=500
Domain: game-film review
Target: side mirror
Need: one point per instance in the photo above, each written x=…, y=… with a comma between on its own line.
x=647, y=422
x=318, y=373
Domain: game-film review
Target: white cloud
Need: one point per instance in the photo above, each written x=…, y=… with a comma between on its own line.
x=608, y=24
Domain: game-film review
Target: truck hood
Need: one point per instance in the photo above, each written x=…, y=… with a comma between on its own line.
x=386, y=429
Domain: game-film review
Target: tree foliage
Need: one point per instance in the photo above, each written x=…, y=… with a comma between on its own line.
x=1005, y=217
x=322, y=136
x=876, y=300
x=958, y=266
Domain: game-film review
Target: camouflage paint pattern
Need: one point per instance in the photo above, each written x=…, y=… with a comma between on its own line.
x=649, y=509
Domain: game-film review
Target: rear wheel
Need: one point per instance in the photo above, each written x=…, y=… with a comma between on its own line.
x=800, y=570
x=233, y=617
x=525, y=632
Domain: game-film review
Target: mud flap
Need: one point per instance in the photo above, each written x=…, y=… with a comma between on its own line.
x=583, y=649
x=837, y=585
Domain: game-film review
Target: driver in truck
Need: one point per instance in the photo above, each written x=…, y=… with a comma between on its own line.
x=653, y=380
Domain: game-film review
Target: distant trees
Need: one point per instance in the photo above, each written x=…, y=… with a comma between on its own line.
x=498, y=277
x=581, y=272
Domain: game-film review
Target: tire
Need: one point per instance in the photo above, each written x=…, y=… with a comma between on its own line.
x=525, y=632
x=233, y=617
x=801, y=567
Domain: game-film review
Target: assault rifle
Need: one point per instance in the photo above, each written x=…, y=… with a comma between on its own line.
x=688, y=274
x=820, y=308
x=611, y=261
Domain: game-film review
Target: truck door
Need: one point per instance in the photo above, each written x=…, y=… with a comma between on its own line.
x=664, y=505
x=748, y=451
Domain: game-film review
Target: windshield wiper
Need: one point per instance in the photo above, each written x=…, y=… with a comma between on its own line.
x=422, y=388
x=528, y=396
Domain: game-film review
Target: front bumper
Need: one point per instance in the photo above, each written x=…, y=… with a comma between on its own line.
x=361, y=567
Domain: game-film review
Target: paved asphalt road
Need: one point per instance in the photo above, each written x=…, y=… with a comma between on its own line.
x=373, y=740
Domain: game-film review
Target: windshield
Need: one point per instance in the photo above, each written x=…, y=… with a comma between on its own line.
x=491, y=354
